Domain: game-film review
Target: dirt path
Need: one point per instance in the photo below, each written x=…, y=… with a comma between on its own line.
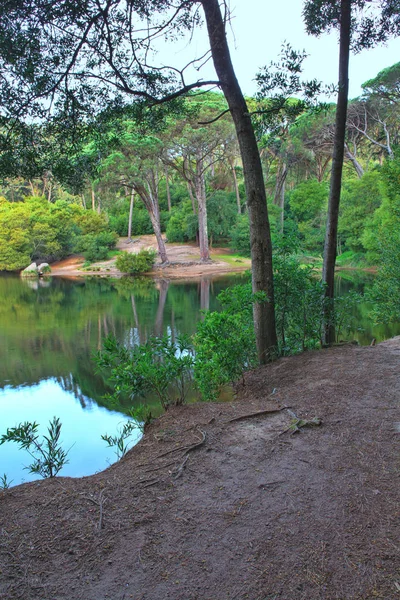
x=212, y=507
x=184, y=262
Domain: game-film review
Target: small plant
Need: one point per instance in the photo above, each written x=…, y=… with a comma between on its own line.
x=119, y=440
x=142, y=416
x=134, y=264
x=160, y=366
x=5, y=483
x=48, y=456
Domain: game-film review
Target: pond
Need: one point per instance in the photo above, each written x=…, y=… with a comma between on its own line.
x=50, y=329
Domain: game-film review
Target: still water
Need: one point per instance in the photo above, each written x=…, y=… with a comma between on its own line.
x=49, y=331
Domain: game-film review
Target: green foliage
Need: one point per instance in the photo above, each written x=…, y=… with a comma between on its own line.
x=134, y=264
x=182, y=224
x=298, y=303
x=96, y=246
x=308, y=204
x=48, y=455
x=225, y=341
x=240, y=236
x=119, y=440
x=382, y=226
x=385, y=292
x=221, y=215
x=38, y=230
x=160, y=366
x=359, y=199
x=344, y=314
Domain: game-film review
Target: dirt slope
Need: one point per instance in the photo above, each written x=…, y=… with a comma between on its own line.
x=210, y=508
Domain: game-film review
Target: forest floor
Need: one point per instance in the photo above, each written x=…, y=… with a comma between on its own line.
x=225, y=502
x=184, y=261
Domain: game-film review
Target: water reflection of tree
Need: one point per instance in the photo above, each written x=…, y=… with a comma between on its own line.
x=52, y=332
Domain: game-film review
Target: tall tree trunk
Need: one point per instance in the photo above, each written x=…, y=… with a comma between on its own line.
x=168, y=189
x=260, y=234
x=279, y=197
x=202, y=211
x=93, y=201
x=130, y=214
x=328, y=272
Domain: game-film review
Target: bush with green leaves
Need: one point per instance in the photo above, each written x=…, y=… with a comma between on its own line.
x=299, y=300
x=160, y=366
x=96, y=246
x=47, y=453
x=225, y=341
x=182, y=224
x=240, y=236
x=385, y=292
x=134, y=264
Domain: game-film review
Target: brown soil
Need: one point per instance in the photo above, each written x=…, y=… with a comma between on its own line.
x=184, y=262
x=211, y=507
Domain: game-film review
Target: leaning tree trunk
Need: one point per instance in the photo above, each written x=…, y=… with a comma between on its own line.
x=150, y=201
x=260, y=234
x=352, y=158
x=328, y=272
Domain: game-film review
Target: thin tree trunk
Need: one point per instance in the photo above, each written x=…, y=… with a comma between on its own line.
x=354, y=162
x=167, y=187
x=83, y=201
x=328, y=272
x=93, y=201
x=130, y=215
x=202, y=211
x=279, y=197
x=260, y=234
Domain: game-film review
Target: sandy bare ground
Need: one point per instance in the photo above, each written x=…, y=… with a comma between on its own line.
x=218, y=502
x=184, y=262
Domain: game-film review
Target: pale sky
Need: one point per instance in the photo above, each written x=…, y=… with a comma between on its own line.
x=260, y=27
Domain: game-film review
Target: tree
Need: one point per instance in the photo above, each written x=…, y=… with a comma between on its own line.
x=196, y=145
x=323, y=15
x=136, y=163
x=88, y=55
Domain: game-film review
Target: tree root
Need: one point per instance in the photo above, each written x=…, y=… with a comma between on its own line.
x=257, y=414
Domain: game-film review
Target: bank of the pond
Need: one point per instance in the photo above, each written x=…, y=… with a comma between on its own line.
x=221, y=502
x=184, y=262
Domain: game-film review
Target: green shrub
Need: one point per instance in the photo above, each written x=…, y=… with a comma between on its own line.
x=48, y=456
x=224, y=343
x=134, y=264
x=160, y=366
x=95, y=246
x=240, y=236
